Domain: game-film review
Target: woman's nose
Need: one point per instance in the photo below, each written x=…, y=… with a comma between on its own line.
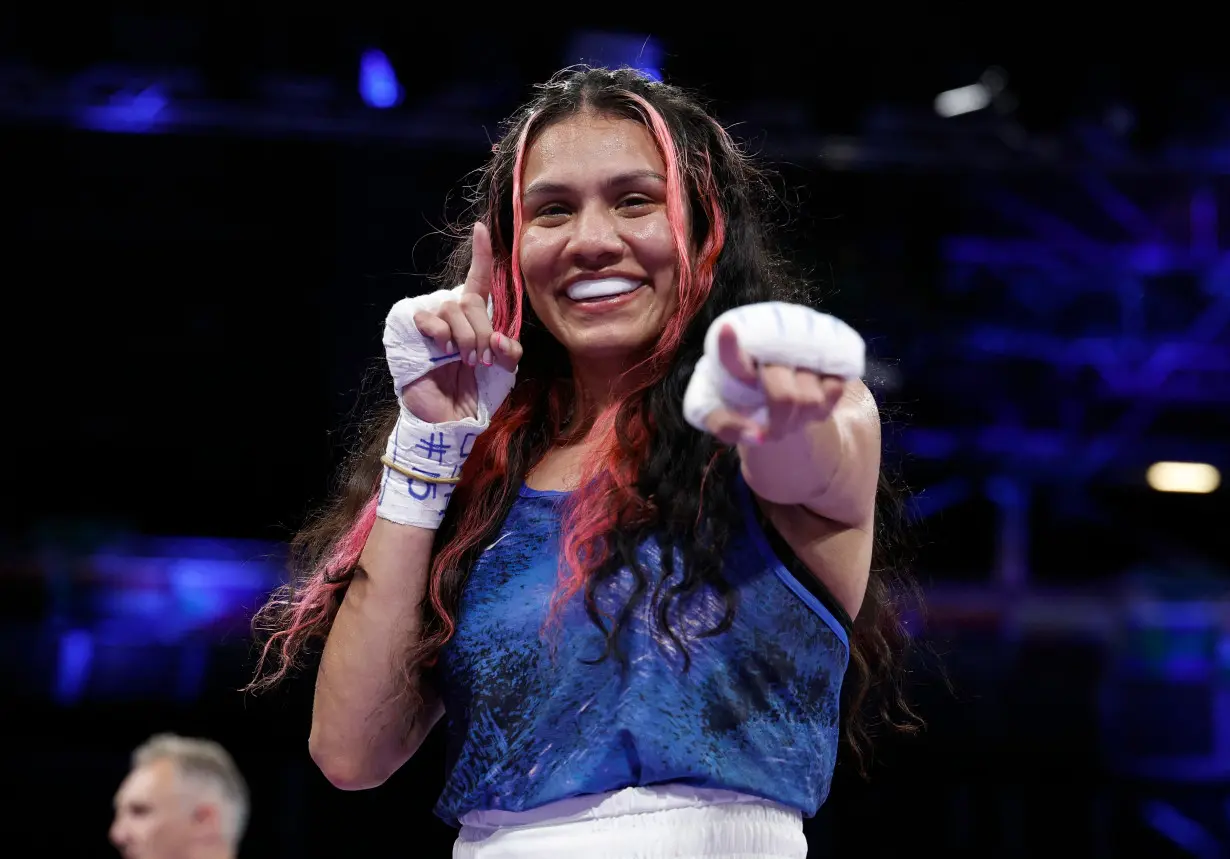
x=596, y=241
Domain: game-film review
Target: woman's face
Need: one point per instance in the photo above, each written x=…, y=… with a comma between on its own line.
x=597, y=257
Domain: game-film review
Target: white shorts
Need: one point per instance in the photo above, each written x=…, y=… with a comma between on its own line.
x=666, y=822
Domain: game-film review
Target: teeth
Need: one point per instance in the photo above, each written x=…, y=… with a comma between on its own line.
x=584, y=290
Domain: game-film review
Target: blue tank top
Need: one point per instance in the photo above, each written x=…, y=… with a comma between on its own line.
x=757, y=712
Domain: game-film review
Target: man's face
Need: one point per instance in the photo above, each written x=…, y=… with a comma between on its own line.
x=154, y=818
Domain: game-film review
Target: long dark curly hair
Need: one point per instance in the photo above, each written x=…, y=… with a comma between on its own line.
x=652, y=476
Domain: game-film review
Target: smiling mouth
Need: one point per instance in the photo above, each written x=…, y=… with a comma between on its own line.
x=602, y=290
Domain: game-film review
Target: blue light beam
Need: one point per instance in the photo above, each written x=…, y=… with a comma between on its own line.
x=617, y=50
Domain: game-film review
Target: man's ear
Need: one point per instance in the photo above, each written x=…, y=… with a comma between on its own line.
x=206, y=816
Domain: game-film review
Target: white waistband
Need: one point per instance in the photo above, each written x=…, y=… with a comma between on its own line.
x=661, y=822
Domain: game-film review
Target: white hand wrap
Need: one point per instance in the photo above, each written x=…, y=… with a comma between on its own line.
x=432, y=450
x=772, y=332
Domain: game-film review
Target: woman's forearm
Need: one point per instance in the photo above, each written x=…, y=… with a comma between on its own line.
x=359, y=718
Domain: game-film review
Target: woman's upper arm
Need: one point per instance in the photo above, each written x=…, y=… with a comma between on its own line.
x=839, y=556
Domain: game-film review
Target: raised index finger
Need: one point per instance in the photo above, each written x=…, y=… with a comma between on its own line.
x=478, y=278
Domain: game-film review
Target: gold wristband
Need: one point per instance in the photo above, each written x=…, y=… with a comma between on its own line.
x=414, y=475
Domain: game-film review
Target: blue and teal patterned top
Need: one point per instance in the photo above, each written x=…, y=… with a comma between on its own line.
x=757, y=712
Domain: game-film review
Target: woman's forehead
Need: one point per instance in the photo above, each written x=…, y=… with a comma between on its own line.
x=589, y=143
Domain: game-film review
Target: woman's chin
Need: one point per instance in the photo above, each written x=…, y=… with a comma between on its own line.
x=609, y=343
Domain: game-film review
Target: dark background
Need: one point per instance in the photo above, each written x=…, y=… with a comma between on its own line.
x=208, y=225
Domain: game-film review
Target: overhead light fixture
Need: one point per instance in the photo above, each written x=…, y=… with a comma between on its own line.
x=968, y=99
x=378, y=83
x=1191, y=477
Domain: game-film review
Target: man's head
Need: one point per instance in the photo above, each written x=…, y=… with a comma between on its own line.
x=183, y=797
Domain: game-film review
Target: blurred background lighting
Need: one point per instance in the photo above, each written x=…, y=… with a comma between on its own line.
x=1194, y=477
